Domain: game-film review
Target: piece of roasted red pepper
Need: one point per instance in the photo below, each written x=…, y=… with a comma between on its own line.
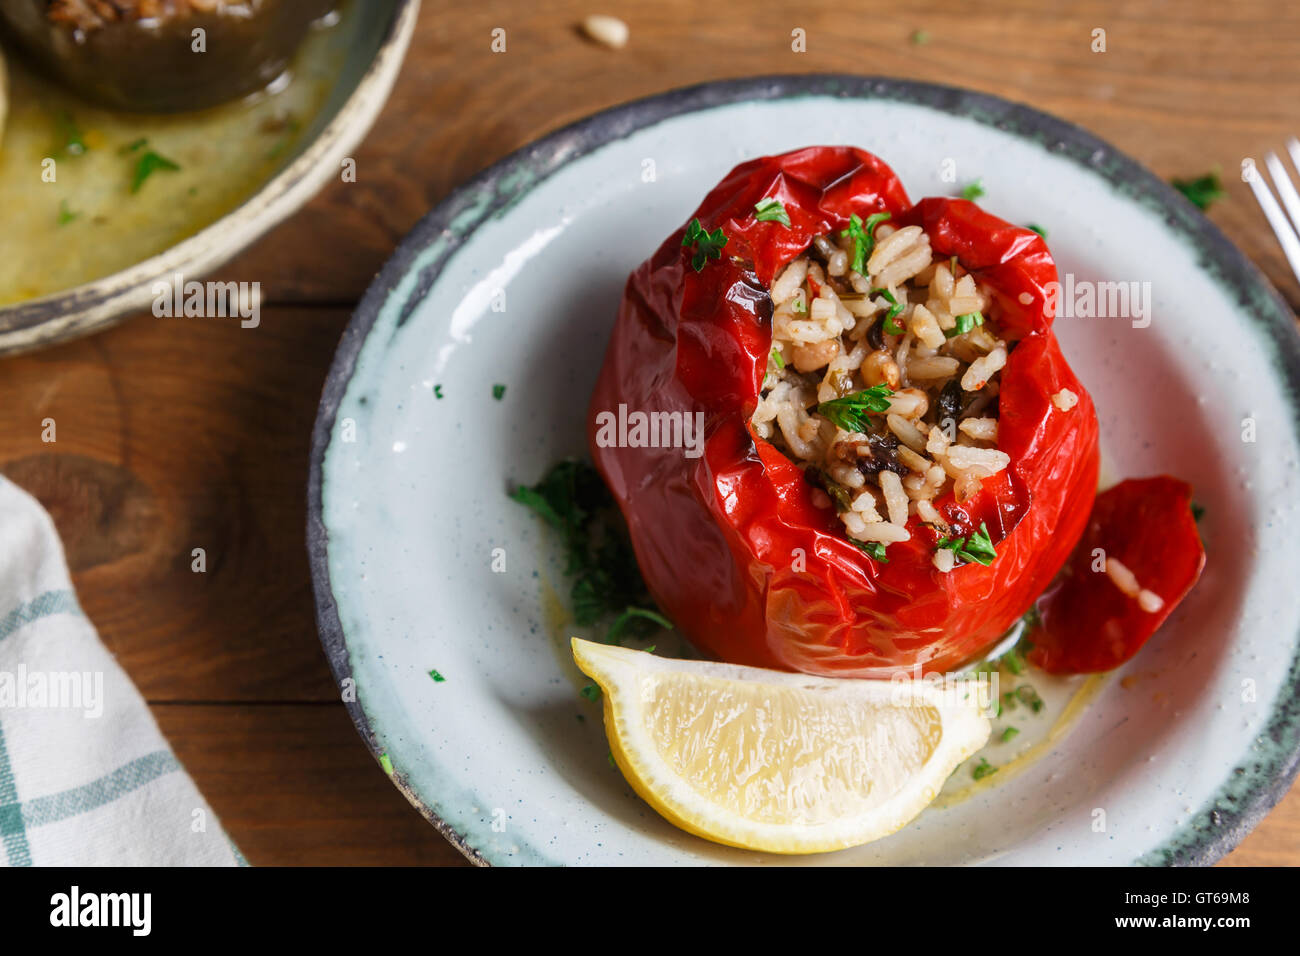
x=731, y=544
x=1088, y=623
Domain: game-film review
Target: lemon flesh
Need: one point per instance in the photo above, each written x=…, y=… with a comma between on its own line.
x=779, y=762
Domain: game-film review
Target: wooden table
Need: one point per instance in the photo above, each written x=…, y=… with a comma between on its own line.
x=175, y=434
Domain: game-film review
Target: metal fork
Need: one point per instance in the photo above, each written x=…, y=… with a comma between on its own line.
x=1284, y=230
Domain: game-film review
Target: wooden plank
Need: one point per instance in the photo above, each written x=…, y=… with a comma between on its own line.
x=293, y=786
x=172, y=435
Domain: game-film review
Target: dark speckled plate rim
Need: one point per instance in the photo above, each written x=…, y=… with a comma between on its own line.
x=1253, y=786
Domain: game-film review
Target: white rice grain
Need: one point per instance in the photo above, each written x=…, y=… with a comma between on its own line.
x=885, y=532
x=983, y=462
x=1149, y=601
x=1065, y=399
x=1124, y=579
x=926, y=328
x=981, y=429
x=895, y=499
x=790, y=280
x=982, y=369
x=906, y=432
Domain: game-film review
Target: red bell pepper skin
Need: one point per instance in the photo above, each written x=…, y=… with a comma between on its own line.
x=1088, y=623
x=731, y=545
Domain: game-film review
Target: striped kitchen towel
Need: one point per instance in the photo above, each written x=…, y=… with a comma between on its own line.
x=86, y=778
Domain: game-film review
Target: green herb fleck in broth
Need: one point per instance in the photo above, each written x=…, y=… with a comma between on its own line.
x=974, y=191
x=920, y=38
x=983, y=769
x=1038, y=229
x=66, y=215
x=498, y=392
x=1009, y=733
x=437, y=677
x=147, y=165
x=70, y=141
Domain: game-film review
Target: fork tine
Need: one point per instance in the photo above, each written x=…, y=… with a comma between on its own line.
x=1285, y=190
x=1286, y=236
x=1293, y=147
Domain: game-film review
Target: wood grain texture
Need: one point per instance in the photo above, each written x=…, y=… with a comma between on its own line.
x=176, y=434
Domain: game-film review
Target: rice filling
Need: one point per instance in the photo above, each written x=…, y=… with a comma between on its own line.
x=882, y=384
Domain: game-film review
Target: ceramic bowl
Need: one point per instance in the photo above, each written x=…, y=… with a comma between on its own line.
x=515, y=280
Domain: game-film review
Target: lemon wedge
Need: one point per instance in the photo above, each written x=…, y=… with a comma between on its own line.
x=779, y=762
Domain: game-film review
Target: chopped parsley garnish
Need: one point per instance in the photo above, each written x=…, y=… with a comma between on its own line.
x=71, y=142
x=386, y=763
x=437, y=678
x=66, y=215
x=1038, y=229
x=1198, y=511
x=973, y=191
x=852, y=412
x=965, y=323
x=498, y=392
x=1202, y=190
x=437, y=391
x=874, y=548
x=983, y=769
x=607, y=583
x=1013, y=661
x=1009, y=733
x=132, y=146
x=977, y=547
x=776, y=358
x=147, y=165
x=862, y=235
x=895, y=307
x=1029, y=697
x=800, y=306
x=771, y=210
x=591, y=692
x=706, y=245
x=920, y=38
x=628, y=614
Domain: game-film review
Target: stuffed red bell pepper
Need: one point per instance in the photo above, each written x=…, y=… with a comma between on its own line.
x=859, y=449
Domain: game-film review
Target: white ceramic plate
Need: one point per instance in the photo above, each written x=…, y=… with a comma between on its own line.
x=408, y=490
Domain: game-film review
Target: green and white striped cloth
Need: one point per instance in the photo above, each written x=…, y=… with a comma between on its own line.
x=86, y=778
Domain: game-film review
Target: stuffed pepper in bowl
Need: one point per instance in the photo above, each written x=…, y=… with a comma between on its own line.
x=896, y=459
